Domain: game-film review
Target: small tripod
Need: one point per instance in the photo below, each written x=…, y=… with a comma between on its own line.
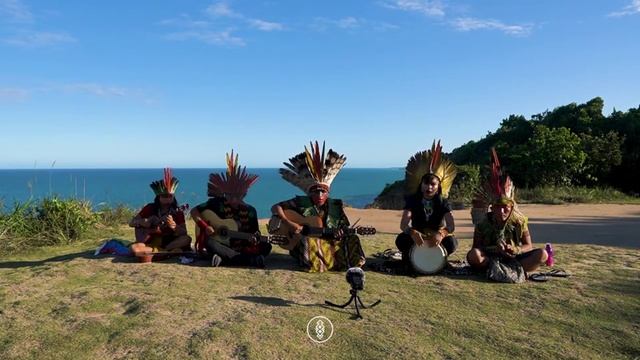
x=355, y=298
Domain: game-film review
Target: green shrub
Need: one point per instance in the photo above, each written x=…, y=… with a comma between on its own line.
x=465, y=184
x=65, y=220
x=51, y=221
x=573, y=194
x=115, y=216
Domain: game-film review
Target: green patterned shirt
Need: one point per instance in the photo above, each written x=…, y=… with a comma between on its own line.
x=511, y=233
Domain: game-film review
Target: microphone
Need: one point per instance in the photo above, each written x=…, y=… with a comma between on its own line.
x=355, y=278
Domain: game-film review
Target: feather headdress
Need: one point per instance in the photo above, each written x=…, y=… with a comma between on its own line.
x=496, y=189
x=167, y=185
x=430, y=162
x=313, y=167
x=235, y=180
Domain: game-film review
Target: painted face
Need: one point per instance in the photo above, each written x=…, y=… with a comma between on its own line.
x=430, y=186
x=501, y=212
x=319, y=195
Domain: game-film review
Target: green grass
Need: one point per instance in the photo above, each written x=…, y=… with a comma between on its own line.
x=574, y=194
x=60, y=302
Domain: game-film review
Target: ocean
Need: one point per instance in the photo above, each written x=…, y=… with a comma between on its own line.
x=130, y=187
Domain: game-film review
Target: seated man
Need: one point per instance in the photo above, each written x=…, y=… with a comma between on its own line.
x=160, y=225
x=313, y=173
x=429, y=177
x=502, y=232
x=226, y=209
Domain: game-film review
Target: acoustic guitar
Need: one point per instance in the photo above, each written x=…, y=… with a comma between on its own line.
x=227, y=229
x=313, y=227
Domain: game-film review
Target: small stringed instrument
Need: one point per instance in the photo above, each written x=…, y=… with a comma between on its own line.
x=313, y=227
x=227, y=229
x=156, y=226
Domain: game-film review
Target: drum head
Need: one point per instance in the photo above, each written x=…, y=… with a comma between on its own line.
x=428, y=260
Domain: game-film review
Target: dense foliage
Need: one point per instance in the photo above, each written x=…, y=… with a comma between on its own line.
x=54, y=221
x=571, y=145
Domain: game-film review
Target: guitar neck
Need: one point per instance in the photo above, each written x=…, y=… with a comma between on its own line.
x=328, y=232
x=238, y=235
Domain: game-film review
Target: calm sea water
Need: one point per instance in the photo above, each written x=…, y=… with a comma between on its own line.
x=357, y=187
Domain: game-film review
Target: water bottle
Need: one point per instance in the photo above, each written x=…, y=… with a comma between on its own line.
x=549, y=250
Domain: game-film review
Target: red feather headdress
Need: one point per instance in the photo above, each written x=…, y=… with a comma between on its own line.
x=497, y=189
x=167, y=185
x=235, y=181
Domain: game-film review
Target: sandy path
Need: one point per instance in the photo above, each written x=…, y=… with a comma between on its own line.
x=601, y=224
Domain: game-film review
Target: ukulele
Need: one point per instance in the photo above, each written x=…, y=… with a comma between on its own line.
x=155, y=227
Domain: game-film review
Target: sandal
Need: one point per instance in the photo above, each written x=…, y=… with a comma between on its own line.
x=538, y=277
x=557, y=273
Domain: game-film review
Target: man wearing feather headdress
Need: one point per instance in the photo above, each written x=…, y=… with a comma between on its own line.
x=502, y=232
x=313, y=171
x=161, y=224
x=426, y=218
x=226, y=193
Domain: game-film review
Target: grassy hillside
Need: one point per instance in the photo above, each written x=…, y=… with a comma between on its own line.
x=61, y=302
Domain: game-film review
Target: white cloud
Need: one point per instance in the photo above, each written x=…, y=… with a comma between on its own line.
x=97, y=90
x=23, y=32
x=101, y=91
x=322, y=24
x=265, y=25
x=470, y=24
x=15, y=11
x=224, y=37
x=91, y=89
x=205, y=31
x=426, y=7
x=185, y=20
x=384, y=26
x=13, y=94
x=350, y=23
x=221, y=9
x=38, y=39
x=631, y=9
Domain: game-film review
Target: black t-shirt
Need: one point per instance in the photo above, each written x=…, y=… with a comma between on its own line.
x=425, y=213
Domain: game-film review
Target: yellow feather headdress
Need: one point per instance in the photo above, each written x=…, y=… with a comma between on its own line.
x=430, y=162
x=235, y=181
x=167, y=185
x=313, y=167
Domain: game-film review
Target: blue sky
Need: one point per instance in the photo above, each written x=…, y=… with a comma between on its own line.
x=159, y=83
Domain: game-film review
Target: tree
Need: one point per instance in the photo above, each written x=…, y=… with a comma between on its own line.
x=551, y=156
x=603, y=154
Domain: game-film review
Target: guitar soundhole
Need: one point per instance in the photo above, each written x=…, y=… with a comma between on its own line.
x=223, y=231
